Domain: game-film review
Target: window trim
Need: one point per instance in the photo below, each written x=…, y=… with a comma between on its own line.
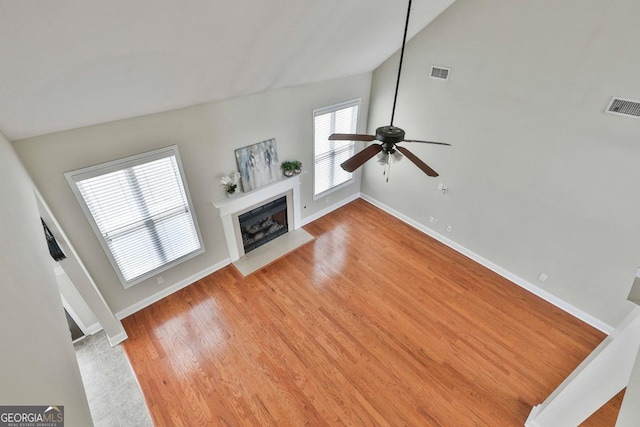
x=325, y=110
x=124, y=163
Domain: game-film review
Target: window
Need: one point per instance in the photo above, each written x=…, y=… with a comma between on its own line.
x=140, y=209
x=339, y=118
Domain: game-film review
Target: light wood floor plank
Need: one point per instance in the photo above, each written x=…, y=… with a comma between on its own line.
x=373, y=323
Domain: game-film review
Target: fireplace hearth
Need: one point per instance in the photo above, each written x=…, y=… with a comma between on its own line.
x=263, y=224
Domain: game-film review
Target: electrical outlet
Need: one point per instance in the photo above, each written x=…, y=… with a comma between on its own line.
x=433, y=220
x=160, y=280
x=449, y=228
x=542, y=277
x=443, y=188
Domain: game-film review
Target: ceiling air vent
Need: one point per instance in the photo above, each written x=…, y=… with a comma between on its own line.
x=624, y=107
x=441, y=73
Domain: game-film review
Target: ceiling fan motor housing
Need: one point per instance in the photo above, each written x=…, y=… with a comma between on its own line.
x=389, y=136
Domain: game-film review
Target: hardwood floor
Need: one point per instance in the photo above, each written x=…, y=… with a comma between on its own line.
x=373, y=323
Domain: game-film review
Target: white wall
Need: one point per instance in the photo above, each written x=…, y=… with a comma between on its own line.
x=38, y=361
x=540, y=179
x=207, y=136
x=76, y=303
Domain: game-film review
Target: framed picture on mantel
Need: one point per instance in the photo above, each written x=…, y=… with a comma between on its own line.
x=258, y=164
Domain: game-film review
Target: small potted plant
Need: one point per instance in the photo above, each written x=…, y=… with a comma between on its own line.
x=230, y=183
x=297, y=166
x=288, y=168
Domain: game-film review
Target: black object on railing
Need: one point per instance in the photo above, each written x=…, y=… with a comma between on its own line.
x=54, y=248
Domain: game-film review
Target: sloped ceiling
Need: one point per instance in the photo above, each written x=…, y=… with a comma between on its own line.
x=71, y=63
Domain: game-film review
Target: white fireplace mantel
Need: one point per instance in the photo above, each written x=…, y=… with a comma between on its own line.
x=230, y=207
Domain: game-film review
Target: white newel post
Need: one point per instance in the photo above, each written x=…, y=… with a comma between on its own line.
x=606, y=371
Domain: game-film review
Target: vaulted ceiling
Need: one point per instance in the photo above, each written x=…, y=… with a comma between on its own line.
x=71, y=63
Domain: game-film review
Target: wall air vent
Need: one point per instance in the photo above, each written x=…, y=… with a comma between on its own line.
x=624, y=107
x=440, y=73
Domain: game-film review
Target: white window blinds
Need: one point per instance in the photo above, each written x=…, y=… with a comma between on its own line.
x=140, y=211
x=340, y=118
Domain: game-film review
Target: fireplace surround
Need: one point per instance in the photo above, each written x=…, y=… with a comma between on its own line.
x=230, y=209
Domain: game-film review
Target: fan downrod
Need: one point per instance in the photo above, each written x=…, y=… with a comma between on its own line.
x=388, y=136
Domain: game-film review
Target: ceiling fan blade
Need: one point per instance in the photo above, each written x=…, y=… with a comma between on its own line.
x=426, y=142
x=351, y=137
x=422, y=165
x=358, y=160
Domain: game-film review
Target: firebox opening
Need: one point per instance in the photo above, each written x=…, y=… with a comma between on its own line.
x=263, y=224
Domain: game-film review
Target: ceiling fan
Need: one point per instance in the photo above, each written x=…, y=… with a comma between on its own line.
x=389, y=136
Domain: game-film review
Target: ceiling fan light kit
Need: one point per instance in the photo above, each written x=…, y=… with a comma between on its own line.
x=389, y=136
x=387, y=158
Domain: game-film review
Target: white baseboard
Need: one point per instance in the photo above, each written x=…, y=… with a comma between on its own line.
x=563, y=305
x=186, y=282
x=308, y=219
x=117, y=339
x=171, y=289
x=94, y=329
